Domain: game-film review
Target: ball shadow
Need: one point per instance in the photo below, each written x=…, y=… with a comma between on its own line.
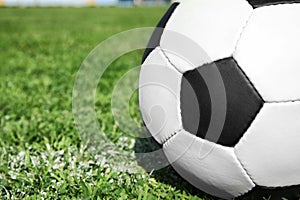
x=166, y=175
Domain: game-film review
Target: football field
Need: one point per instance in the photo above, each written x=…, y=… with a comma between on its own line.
x=41, y=154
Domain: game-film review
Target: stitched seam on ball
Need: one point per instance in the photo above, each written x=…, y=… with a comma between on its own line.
x=234, y=151
x=168, y=139
x=241, y=34
x=287, y=101
x=169, y=61
x=246, y=172
x=179, y=108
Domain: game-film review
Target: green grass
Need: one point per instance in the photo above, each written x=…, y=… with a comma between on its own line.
x=41, y=154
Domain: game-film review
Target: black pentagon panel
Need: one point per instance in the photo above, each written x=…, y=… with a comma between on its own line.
x=275, y=193
x=156, y=36
x=243, y=101
x=195, y=101
x=261, y=3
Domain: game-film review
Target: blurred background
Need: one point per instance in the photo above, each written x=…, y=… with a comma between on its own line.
x=82, y=2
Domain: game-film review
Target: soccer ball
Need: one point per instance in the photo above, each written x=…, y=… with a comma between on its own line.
x=227, y=117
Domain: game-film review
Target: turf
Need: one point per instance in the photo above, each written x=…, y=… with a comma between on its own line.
x=41, y=153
